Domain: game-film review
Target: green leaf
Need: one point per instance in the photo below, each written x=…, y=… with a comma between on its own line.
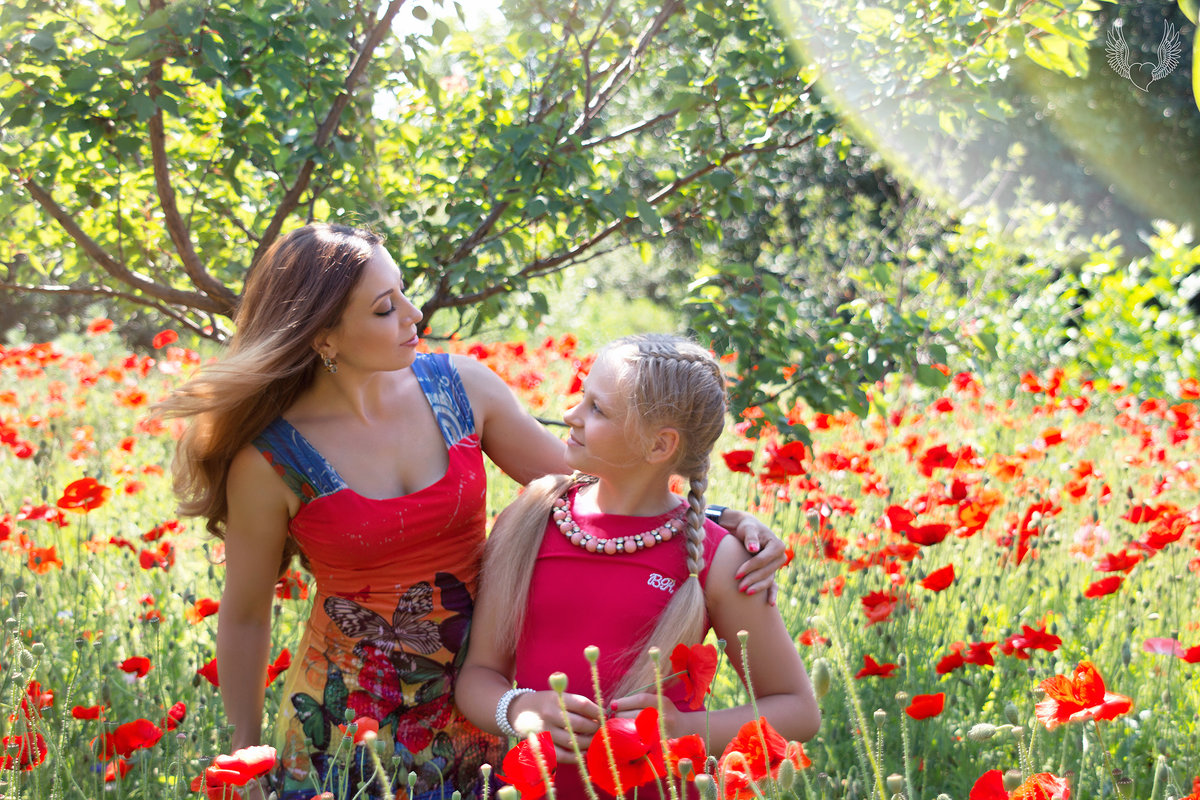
x=648, y=215
x=440, y=31
x=928, y=376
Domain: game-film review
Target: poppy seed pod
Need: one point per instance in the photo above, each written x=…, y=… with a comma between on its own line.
x=787, y=775
x=895, y=783
x=558, y=682
x=706, y=787
x=821, y=679
x=981, y=732
x=508, y=793
x=1012, y=779
x=1012, y=713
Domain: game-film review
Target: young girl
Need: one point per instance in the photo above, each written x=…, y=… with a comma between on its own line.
x=611, y=557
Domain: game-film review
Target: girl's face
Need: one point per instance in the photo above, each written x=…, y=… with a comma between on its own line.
x=378, y=329
x=602, y=436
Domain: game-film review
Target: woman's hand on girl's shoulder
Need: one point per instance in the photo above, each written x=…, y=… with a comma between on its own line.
x=756, y=575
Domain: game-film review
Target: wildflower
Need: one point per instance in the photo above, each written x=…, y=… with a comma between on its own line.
x=43, y=559
x=520, y=768
x=204, y=607
x=636, y=753
x=1122, y=561
x=136, y=735
x=1161, y=646
x=738, y=460
x=939, y=579
x=1042, y=786
x=237, y=769
x=756, y=752
x=22, y=752
x=164, y=338
x=1103, y=586
x=87, y=712
x=136, y=665
x=292, y=586
x=924, y=706
x=872, y=668
x=83, y=495
x=362, y=726
x=209, y=672
x=1080, y=697
x=1020, y=644
x=878, y=606
x=698, y=664
x=691, y=748
x=99, y=325
x=175, y=715
x=115, y=770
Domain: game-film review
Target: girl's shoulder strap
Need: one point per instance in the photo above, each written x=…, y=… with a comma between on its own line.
x=302, y=467
x=443, y=387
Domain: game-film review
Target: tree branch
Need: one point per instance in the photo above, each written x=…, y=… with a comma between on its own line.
x=291, y=199
x=116, y=269
x=113, y=294
x=192, y=264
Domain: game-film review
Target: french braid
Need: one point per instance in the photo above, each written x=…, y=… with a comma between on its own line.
x=676, y=383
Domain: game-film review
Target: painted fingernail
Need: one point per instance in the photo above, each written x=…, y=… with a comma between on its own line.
x=749, y=591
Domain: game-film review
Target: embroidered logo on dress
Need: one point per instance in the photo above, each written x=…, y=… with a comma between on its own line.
x=660, y=582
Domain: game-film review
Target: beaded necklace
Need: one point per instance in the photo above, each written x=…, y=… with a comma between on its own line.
x=561, y=514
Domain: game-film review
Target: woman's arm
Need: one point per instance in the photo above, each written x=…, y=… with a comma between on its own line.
x=781, y=686
x=486, y=676
x=255, y=535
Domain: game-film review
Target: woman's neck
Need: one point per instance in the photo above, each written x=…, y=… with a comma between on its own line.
x=637, y=498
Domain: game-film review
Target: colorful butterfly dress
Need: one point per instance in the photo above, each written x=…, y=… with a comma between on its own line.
x=394, y=585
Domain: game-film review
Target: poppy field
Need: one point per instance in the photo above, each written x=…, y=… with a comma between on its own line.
x=996, y=588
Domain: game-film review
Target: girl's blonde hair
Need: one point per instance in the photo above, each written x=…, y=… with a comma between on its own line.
x=299, y=288
x=670, y=382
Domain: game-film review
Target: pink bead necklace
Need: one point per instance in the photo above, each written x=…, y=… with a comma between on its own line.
x=561, y=513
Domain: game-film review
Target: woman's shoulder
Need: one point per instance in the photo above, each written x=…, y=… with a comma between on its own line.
x=252, y=474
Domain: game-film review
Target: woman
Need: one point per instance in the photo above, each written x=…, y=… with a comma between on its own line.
x=323, y=432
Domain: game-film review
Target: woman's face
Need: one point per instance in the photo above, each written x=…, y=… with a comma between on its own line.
x=378, y=330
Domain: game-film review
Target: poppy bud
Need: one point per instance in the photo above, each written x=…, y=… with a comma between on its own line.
x=943, y=797
x=1017, y=732
x=981, y=732
x=880, y=717
x=508, y=793
x=37, y=648
x=895, y=783
x=456, y=796
x=1012, y=779
x=558, y=682
x=821, y=679
x=486, y=771
x=902, y=698
x=27, y=659
x=787, y=775
x=706, y=787
x=685, y=769
x=1011, y=713
x=18, y=600
x=591, y=653
x=1162, y=773
x=655, y=654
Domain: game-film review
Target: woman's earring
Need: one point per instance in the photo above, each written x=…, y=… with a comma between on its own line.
x=330, y=364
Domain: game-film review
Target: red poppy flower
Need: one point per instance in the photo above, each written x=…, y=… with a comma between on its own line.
x=242, y=766
x=292, y=586
x=872, y=668
x=1123, y=561
x=136, y=665
x=204, y=607
x=1103, y=586
x=951, y=662
x=364, y=725
x=980, y=654
x=520, y=768
x=175, y=715
x=280, y=665
x=756, y=752
x=115, y=770
x=87, y=712
x=37, y=697
x=1020, y=644
x=924, y=706
x=927, y=535
x=99, y=325
x=83, y=495
x=636, y=753
x=939, y=579
x=989, y=786
x=878, y=606
x=43, y=559
x=1080, y=697
x=1048, y=438
x=698, y=664
x=209, y=671
x=1163, y=647
x=1043, y=786
x=738, y=460
x=690, y=747
x=127, y=738
x=164, y=338
x=22, y=752
x=1192, y=655
x=810, y=638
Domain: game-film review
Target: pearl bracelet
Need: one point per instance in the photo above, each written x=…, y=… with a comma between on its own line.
x=502, y=711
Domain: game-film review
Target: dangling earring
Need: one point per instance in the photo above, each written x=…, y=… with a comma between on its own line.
x=330, y=364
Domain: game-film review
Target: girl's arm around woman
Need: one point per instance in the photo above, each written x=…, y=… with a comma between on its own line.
x=781, y=686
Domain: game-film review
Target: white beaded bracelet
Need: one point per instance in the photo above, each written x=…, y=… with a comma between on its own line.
x=502, y=710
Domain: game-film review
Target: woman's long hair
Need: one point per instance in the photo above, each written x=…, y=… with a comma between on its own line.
x=297, y=290
x=671, y=382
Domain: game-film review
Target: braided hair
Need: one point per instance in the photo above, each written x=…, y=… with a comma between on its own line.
x=674, y=382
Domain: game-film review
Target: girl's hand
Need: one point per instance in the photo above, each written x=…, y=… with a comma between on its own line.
x=757, y=574
x=582, y=716
x=629, y=706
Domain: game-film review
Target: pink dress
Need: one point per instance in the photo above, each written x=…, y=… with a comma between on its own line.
x=395, y=582
x=577, y=599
